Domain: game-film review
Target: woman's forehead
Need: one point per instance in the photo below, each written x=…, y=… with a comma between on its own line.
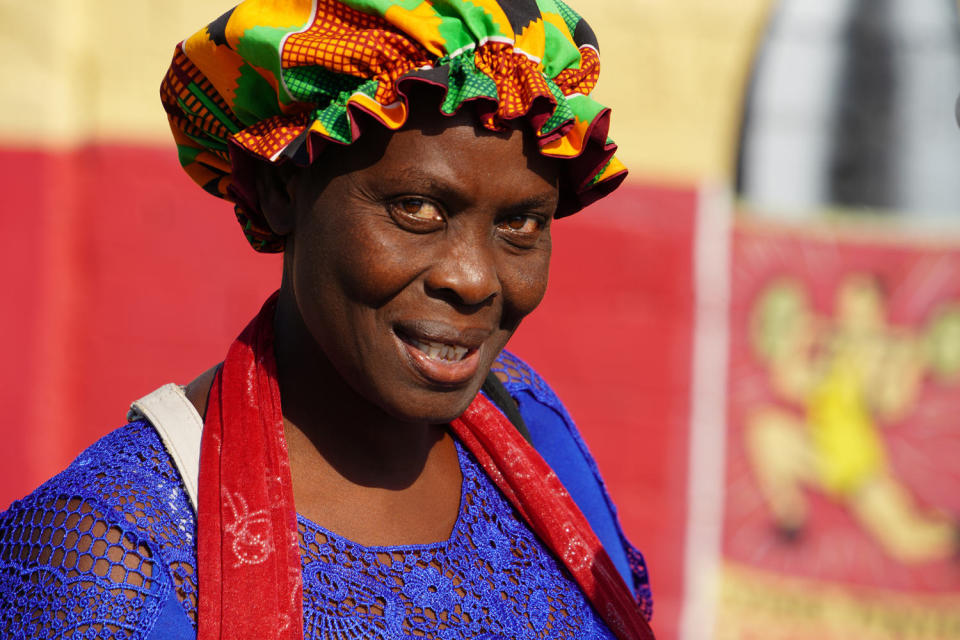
x=455, y=149
x=461, y=147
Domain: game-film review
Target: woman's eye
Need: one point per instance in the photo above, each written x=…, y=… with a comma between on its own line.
x=417, y=208
x=523, y=224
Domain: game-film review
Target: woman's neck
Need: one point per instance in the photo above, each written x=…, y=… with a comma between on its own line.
x=325, y=416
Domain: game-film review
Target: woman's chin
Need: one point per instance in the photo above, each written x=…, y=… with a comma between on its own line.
x=425, y=405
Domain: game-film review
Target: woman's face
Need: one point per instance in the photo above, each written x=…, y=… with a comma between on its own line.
x=415, y=256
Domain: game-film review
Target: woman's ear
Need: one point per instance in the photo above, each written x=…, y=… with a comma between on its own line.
x=275, y=192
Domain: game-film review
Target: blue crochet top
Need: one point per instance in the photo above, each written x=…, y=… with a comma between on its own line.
x=107, y=549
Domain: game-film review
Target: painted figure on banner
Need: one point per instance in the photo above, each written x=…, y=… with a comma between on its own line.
x=841, y=510
x=838, y=381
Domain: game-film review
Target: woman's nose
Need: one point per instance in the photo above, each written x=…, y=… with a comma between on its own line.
x=465, y=274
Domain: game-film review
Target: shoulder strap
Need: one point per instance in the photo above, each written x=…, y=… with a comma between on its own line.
x=179, y=425
x=502, y=399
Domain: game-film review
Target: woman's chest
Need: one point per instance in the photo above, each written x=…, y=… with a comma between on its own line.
x=492, y=579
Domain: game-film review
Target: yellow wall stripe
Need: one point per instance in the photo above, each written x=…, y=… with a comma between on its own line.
x=674, y=72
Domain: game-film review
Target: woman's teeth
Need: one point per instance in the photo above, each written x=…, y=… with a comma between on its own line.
x=439, y=350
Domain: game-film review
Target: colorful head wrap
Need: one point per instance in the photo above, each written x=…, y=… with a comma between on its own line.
x=276, y=80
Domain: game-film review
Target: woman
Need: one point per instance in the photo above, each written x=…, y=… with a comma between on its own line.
x=408, y=159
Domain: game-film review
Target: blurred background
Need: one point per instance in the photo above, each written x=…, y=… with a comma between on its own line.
x=759, y=334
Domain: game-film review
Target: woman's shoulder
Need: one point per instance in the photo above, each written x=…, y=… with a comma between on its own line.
x=128, y=472
x=555, y=436
x=519, y=377
x=105, y=544
x=545, y=415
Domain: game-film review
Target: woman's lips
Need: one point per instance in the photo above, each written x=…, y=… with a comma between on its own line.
x=441, y=362
x=440, y=350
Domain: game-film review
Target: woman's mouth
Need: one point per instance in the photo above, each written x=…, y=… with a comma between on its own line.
x=445, y=363
x=439, y=350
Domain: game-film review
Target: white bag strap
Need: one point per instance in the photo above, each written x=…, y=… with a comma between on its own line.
x=179, y=425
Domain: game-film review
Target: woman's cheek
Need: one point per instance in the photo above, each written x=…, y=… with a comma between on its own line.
x=384, y=265
x=525, y=283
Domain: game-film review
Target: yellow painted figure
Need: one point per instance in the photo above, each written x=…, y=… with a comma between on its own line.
x=840, y=380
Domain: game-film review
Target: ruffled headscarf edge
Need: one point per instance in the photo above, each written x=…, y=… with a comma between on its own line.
x=279, y=80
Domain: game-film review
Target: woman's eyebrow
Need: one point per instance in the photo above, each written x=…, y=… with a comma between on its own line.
x=539, y=203
x=447, y=190
x=429, y=183
x=416, y=179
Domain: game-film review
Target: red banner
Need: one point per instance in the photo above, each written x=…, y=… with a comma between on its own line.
x=842, y=498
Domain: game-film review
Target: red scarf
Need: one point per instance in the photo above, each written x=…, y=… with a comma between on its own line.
x=247, y=550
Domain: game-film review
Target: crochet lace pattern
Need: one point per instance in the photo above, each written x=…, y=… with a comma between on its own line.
x=492, y=578
x=97, y=550
x=100, y=549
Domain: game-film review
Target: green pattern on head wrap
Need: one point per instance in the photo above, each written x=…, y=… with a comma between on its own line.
x=464, y=83
x=187, y=155
x=258, y=47
x=208, y=142
x=596, y=178
x=211, y=106
x=320, y=86
x=335, y=118
x=560, y=115
x=585, y=107
x=255, y=97
x=464, y=26
x=571, y=17
x=560, y=54
x=380, y=7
